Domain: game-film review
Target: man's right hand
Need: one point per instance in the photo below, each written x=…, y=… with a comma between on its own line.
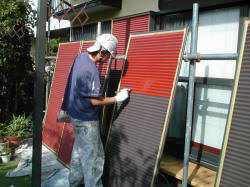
x=122, y=95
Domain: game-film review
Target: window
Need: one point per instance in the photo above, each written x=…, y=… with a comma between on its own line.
x=88, y=32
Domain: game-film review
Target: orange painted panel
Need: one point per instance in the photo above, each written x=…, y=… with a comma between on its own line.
x=152, y=61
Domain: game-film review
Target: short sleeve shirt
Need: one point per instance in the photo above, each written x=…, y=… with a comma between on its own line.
x=83, y=83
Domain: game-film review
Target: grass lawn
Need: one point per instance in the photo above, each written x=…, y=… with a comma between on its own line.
x=15, y=181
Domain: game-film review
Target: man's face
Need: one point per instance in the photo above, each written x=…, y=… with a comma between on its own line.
x=103, y=56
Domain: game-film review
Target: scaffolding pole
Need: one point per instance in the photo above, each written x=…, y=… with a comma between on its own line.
x=198, y=57
x=194, y=37
x=39, y=92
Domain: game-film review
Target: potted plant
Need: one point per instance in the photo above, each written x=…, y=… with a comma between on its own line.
x=5, y=154
x=18, y=129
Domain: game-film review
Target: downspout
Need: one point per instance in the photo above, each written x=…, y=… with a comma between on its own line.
x=70, y=33
x=99, y=28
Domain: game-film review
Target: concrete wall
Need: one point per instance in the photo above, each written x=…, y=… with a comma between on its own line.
x=130, y=7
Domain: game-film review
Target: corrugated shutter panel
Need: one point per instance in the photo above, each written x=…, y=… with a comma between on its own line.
x=52, y=130
x=152, y=67
x=139, y=125
x=236, y=168
x=86, y=44
x=66, y=144
x=122, y=29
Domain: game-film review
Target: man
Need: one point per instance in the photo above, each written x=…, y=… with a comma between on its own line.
x=81, y=100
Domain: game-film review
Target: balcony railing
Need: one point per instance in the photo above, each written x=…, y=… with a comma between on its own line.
x=59, y=5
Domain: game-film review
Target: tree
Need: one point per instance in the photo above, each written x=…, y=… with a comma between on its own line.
x=16, y=66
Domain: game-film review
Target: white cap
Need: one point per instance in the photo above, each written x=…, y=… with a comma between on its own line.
x=105, y=41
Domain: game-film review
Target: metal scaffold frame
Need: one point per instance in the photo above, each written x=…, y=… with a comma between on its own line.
x=194, y=57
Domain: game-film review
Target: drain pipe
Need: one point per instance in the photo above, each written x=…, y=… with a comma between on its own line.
x=99, y=28
x=190, y=93
x=70, y=32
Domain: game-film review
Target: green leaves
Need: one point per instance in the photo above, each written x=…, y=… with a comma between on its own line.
x=4, y=150
x=2, y=129
x=54, y=43
x=19, y=126
x=16, y=77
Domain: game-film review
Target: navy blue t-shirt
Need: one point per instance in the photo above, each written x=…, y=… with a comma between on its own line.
x=83, y=83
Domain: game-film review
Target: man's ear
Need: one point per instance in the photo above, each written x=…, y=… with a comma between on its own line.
x=104, y=53
x=101, y=52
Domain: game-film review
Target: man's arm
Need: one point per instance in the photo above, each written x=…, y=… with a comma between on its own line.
x=120, y=97
x=102, y=101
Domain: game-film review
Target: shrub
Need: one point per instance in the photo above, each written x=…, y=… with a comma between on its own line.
x=19, y=126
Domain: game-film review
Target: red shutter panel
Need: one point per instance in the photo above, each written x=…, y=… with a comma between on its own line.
x=52, y=130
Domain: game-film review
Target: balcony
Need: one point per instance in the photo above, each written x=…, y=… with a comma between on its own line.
x=68, y=8
x=180, y=5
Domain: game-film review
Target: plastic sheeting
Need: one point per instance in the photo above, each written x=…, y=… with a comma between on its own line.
x=57, y=179
x=24, y=156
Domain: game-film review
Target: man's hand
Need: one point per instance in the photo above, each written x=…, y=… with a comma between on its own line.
x=122, y=95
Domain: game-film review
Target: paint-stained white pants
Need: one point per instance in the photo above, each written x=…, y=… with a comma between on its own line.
x=87, y=159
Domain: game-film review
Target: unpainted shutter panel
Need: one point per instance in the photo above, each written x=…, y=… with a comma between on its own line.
x=52, y=130
x=236, y=165
x=139, y=124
